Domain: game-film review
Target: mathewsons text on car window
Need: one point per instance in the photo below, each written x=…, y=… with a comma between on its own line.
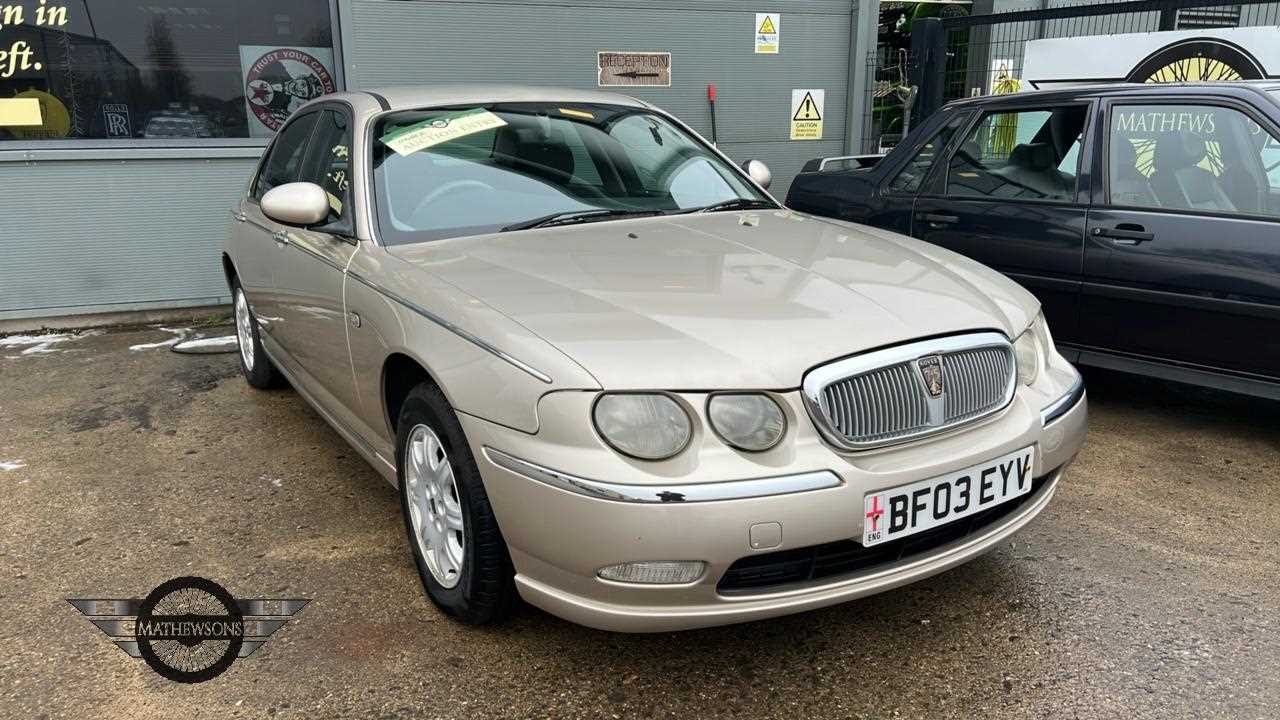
x=1209, y=158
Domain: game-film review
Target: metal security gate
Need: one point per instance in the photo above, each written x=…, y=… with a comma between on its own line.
x=970, y=55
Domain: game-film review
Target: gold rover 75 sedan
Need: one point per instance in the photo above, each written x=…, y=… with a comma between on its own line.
x=609, y=374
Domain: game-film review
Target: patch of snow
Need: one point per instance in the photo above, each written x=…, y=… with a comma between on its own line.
x=42, y=344
x=178, y=335
x=224, y=341
x=8, y=465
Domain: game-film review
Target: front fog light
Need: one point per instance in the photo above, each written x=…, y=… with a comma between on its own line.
x=750, y=422
x=664, y=572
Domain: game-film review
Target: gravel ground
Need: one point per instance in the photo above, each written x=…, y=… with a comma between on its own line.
x=1148, y=589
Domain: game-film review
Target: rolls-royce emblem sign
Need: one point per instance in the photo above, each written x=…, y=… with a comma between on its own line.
x=931, y=371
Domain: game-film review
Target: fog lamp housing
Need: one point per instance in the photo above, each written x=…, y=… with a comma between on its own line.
x=656, y=572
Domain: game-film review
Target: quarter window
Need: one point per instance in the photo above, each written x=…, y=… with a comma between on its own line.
x=1028, y=155
x=330, y=163
x=1192, y=157
x=909, y=178
x=284, y=159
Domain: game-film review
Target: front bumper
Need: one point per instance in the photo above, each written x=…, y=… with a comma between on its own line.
x=560, y=536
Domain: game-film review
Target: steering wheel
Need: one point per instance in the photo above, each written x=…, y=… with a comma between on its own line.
x=449, y=187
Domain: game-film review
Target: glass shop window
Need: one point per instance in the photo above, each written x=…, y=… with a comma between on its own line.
x=184, y=70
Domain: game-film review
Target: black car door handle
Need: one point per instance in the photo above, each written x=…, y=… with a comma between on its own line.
x=939, y=218
x=1124, y=234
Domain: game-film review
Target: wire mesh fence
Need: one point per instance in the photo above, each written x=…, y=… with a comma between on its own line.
x=986, y=54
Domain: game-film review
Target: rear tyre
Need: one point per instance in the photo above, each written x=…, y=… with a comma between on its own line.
x=254, y=363
x=457, y=547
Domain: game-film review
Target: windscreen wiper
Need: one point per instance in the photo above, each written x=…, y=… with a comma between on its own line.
x=570, y=217
x=734, y=204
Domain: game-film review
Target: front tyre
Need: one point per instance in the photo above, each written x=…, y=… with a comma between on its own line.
x=457, y=547
x=254, y=363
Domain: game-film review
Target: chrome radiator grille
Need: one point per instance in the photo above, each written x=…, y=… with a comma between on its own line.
x=912, y=390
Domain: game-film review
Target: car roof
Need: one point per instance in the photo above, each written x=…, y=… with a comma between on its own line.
x=404, y=97
x=1080, y=92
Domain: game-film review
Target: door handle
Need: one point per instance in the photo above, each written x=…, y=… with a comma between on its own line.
x=239, y=216
x=281, y=237
x=1124, y=234
x=940, y=218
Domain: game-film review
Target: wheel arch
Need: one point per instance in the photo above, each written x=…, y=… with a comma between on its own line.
x=229, y=270
x=401, y=373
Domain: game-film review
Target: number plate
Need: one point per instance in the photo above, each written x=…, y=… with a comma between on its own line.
x=909, y=509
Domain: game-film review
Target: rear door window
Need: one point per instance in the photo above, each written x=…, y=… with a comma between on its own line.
x=1022, y=155
x=1192, y=157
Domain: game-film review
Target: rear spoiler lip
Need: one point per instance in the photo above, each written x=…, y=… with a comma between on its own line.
x=820, y=164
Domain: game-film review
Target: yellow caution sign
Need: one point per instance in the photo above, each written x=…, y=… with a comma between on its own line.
x=807, y=108
x=768, y=32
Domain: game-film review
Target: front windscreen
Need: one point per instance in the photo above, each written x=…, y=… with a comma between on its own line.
x=447, y=172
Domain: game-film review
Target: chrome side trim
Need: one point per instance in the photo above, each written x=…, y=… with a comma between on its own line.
x=452, y=328
x=1062, y=405
x=817, y=379
x=687, y=493
x=822, y=164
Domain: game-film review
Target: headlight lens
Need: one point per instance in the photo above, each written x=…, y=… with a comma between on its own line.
x=646, y=426
x=1032, y=349
x=751, y=422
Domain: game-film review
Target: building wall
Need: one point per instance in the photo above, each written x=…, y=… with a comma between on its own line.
x=104, y=235
x=107, y=230
x=554, y=42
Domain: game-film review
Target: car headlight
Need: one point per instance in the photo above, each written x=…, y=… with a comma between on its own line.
x=748, y=421
x=1032, y=350
x=645, y=426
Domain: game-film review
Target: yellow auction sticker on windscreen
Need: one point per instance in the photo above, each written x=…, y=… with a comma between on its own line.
x=425, y=134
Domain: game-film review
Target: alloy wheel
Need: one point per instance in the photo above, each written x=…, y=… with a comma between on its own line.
x=435, y=508
x=244, y=330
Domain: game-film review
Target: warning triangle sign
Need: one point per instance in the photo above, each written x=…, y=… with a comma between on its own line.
x=766, y=27
x=808, y=109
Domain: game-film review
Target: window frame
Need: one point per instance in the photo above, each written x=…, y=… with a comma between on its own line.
x=1103, y=197
x=937, y=182
x=166, y=148
x=965, y=118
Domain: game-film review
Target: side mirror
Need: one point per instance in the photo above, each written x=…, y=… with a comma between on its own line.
x=758, y=172
x=297, y=203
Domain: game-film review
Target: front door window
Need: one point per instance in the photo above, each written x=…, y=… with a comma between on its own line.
x=1024, y=155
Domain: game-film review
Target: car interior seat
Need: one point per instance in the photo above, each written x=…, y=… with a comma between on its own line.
x=1179, y=182
x=1128, y=186
x=1033, y=167
x=534, y=150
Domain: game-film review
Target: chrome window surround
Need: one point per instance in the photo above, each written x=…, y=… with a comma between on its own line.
x=679, y=493
x=817, y=380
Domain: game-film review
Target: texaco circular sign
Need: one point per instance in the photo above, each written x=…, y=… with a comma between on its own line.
x=281, y=80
